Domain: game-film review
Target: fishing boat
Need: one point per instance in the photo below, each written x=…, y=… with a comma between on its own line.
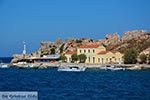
x=113, y=68
x=73, y=68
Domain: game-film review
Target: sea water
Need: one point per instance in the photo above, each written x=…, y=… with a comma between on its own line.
x=92, y=84
x=5, y=59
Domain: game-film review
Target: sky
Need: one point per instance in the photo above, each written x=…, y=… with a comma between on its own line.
x=34, y=21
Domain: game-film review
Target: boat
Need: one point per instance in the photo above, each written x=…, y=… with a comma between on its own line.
x=73, y=68
x=28, y=66
x=2, y=65
x=113, y=68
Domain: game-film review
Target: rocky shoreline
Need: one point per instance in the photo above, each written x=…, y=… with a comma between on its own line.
x=98, y=66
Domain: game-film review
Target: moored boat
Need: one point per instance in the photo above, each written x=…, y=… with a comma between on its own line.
x=74, y=68
x=28, y=66
x=4, y=65
x=113, y=68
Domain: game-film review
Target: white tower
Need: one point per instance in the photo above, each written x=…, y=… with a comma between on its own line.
x=24, y=48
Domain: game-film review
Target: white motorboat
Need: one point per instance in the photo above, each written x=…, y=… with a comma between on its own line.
x=28, y=66
x=4, y=65
x=74, y=68
x=113, y=68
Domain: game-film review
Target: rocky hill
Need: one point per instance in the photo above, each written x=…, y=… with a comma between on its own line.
x=138, y=39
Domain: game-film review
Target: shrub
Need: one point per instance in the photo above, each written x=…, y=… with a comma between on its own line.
x=44, y=52
x=130, y=56
x=143, y=58
x=74, y=57
x=82, y=58
x=78, y=41
x=63, y=58
x=52, y=51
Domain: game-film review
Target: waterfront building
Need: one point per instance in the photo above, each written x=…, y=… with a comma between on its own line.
x=68, y=55
x=97, y=54
x=46, y=58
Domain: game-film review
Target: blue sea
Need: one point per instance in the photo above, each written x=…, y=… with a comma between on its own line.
x=93, y=84
x=5, y=59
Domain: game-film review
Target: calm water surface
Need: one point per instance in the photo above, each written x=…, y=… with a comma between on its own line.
x=93, y=84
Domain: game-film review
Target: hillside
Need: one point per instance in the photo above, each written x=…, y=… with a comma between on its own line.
x=137, y=39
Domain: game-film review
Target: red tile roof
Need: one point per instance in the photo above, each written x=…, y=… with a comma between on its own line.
x=71, y=52
x=89, y=46
x=105, y=52
x=102, y=52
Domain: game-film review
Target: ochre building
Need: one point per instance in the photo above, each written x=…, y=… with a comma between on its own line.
x=97, y=54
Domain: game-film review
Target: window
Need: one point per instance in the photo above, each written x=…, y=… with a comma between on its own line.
x=107, y=60
x=102, y=60
x=88, y=51
x=110, y=60
x=93, y=51
x=80, y=51
x=84, y=51
x=119, y=60
x=93, y=59
x=89, y=59
x=99, y=60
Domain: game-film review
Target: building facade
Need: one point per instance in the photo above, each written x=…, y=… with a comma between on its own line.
x=97, y=54
x=68, y=55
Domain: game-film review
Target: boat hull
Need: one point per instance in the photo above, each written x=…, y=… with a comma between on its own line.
x=72, y=69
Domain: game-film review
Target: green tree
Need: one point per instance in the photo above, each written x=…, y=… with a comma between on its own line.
x=82, y=58
x=78, y=41
x=130, y=56
x=44, y=52
x=52, y=51
x=63, y=58
x=74, y=57
x=143, y=58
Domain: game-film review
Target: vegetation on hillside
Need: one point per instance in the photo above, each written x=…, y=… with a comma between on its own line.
x=130, y=56
x=143, y=58
x=44, y=52
x=138, y=45
x=63, y=58
x=53, y=51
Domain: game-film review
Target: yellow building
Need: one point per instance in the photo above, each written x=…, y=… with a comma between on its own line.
x=68, y=55
x=97, y=54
